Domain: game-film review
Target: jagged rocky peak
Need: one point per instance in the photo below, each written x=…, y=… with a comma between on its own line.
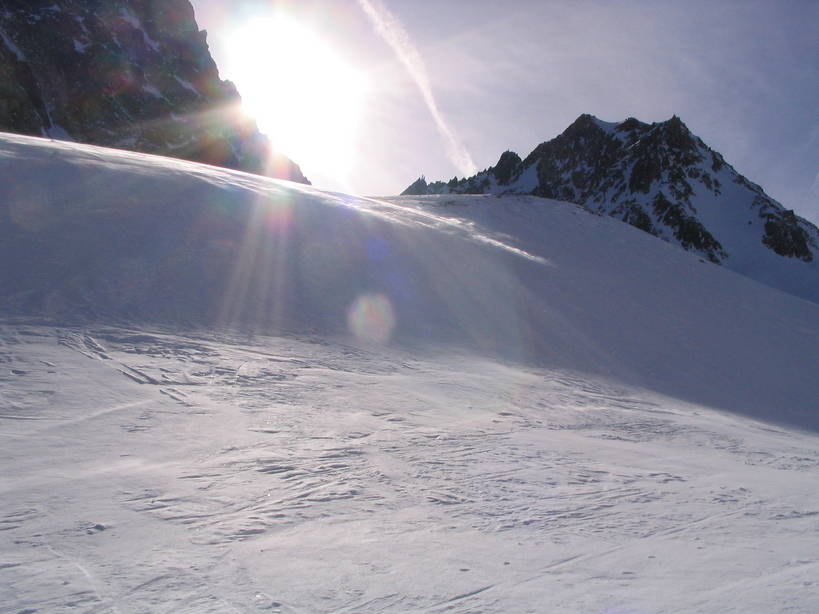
x=584, y=125
x=506, y=166
x=132, y=74
x=417, y=187
x=678, y=134
x=660, y=178
x=631, y=124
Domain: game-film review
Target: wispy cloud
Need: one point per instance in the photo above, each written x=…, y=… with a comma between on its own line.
x=391, y=30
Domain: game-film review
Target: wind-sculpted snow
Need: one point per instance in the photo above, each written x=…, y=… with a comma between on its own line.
x=147, y=471
x=220, y=392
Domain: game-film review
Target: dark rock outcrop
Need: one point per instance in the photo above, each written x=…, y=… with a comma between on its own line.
x=506, y=166
x=130, y=74
x=418, y=187
x=786, y=237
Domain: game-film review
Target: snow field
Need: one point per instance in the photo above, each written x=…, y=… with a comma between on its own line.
x=151, y=472
x=221, y=393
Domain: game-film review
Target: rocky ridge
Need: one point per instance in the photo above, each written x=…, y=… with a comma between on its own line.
x=660, y=178
x=129, y=74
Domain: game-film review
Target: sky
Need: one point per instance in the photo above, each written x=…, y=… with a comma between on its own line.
x=401, y=88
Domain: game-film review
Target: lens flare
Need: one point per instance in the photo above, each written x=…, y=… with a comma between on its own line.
x=371, y=319
x=30, y=209
x=278, y=217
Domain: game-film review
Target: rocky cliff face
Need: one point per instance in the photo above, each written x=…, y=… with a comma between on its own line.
x=131, y=74
x=662, y=179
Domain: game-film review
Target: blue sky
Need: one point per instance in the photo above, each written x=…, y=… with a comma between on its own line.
x=742, y=74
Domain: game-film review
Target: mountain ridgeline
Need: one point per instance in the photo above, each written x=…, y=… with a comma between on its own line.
x=129, y=74
x=664, y=180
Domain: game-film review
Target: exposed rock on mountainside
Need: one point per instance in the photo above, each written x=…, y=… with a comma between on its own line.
x=131, y=74
x=662, y=179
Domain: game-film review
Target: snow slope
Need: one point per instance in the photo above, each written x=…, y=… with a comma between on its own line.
x=220, y=392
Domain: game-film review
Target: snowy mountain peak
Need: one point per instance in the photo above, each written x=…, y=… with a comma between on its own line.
x=664, y=180
x=587, y=122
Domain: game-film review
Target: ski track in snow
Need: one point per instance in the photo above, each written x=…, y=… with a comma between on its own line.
x=153, y=472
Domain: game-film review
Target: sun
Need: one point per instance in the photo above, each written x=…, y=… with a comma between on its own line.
x=301, y=92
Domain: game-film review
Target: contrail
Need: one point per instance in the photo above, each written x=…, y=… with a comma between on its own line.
x=391, y=30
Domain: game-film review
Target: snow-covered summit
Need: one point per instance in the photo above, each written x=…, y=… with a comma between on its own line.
x=662, y=179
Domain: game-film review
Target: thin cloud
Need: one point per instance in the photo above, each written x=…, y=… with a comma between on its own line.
x=391, y=30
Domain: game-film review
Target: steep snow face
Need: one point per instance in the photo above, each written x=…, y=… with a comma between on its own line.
x=664, y=180
x=220, y=392
x=95, y=235
x=135, y=74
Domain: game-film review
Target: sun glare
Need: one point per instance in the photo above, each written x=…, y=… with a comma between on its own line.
x=303, y=95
